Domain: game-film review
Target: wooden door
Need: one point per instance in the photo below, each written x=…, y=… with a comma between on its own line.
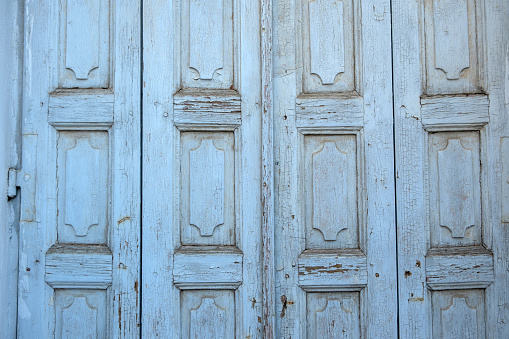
x=201, y=169
x=452, y=168
x=79, y=250
x=334, y=171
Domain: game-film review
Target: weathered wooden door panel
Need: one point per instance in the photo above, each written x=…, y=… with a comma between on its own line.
x=450, y=127
x=335, y=209
x=80, y=220
x=201, y=169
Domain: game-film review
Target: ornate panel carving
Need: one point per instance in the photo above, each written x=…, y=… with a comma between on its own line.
x=464, y=309
x=452, y=41
x=206, y=313
x=208, y=177
x=328, y=45
x=333, y=315
x=331, y=191
x=80, y=311
x=455, y=189
x=82, y=175
x=207, y=43
x=84, y=44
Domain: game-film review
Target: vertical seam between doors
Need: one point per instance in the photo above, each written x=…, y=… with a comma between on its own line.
x=140, y=297
x=395, y=170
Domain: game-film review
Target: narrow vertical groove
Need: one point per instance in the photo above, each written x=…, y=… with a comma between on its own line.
x=395, y=171
x=267, y=172
x=140, y=285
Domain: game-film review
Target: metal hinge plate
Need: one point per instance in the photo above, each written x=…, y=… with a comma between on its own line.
x=12, y=183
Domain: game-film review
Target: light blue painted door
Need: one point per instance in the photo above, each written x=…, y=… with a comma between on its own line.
x=202, y=240
x=79, y=251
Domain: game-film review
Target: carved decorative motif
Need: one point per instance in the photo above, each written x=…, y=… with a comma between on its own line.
x=459, y=309
x=333, y=315
x=206, y=181
x=330, y=191
x=207, y=188
x=208, y=314
x=456, y=188
x=327, y=39
x=84, y=44
x=206, y=35
x=451, y=37
x=201, y=325
x=82, y=174
x=82, y=186
x=80, y=312
x=330, y=188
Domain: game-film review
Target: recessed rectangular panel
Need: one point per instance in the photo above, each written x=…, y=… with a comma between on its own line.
x=82, y=177
x=207, y=44
x=207, y=188
x=458, y=314
x=452, y=42
x=80, y=312
x=333, y=315
x=455, y=189
x=207, y=314
x=84, y=44
x=330, y=191
x=328, y=45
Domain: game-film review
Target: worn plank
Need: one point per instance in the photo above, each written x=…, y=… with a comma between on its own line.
x=466, y=111
x=455, y=268
x=78, y=109
x=315, y=111
x=74, y=266
x=328, y=271
x=213, y=269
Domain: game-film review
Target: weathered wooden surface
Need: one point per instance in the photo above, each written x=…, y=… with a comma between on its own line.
x=202, y=205
x=11, y=78
x=334, y=169
x=450, y=115
x=85, y=266
x=207, y=269
x=80, y=178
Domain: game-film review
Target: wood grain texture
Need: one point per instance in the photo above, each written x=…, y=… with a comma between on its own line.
x=74, y=266
x=454, y=46
x=226, y=110
x=454, y=110
x=208, y=43
x=315, y=111
x=78, y=109
x=332, y=271
x=211, y=269
x=126, y=172
x=84, y=44
x=268, y=176
x=463, y=267
x=447, y=111
x=364, y=109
